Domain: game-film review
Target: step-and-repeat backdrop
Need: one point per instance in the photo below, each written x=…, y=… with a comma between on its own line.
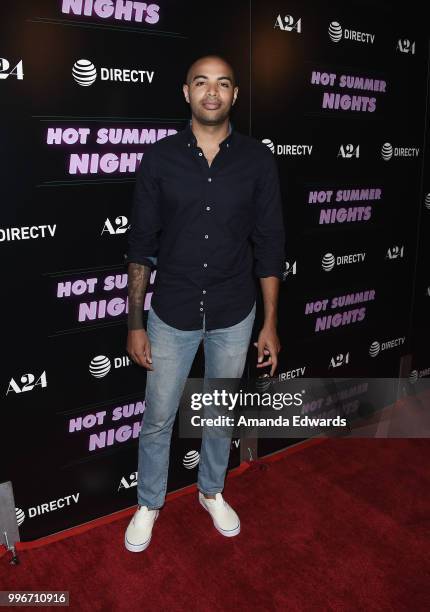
x=338, y=93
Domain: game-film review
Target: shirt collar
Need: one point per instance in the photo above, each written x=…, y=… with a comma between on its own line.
x=192, y=141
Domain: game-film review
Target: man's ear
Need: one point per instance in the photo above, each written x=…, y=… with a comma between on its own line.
x=185, y=89
x=235, y=92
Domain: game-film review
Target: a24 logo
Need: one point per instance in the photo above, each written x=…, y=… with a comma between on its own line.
x=27, y=382
x=6, y=71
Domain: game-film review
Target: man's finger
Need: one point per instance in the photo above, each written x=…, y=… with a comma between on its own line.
x=273, y=368
x=264, y=363
x=147, y=350
x=147, y=363
x=141, y=359
x=260, y=351
x=265, y=350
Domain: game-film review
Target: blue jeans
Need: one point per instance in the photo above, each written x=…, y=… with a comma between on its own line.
x=173, y=351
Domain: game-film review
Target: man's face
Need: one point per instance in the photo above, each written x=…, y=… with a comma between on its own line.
x=210, y=92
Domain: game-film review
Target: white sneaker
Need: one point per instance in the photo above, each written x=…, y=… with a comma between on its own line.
x=224, y=517
x=139, y=531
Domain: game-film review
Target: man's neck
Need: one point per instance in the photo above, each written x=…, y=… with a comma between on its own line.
x=210, y=135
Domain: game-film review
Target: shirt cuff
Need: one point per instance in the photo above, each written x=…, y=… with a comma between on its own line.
x=143, y=260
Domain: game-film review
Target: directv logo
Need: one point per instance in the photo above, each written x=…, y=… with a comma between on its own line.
x=413, y=376
x=84, y=72
x=262, y=383
x=100, y=366
x=387, y=151
x=288, y=149
x=374, y=349
x=191, y=459
x=328, y=262
x=20, y=516
x=416, y=374
x=269, y=143
x=335, y=31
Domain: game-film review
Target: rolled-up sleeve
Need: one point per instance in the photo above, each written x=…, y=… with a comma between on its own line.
x=145, y=216
x=268, y=235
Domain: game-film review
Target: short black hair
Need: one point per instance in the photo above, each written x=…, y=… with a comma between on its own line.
x=210, y=56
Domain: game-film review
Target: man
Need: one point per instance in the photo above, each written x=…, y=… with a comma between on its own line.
x=207, y=206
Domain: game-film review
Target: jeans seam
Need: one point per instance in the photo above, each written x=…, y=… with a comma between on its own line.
x=166, y=475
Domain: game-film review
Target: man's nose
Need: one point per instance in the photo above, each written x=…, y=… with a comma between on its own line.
x=213, y=89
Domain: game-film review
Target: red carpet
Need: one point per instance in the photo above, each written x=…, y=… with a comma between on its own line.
x=342, y=525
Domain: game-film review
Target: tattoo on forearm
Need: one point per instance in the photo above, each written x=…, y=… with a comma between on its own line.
x=138, y=278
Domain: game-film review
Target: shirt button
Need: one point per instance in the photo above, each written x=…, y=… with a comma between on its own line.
x=189, y=144
x=208, y=207
x=204, y=291
x=201, y=309
x=206, y=236
x=205, y=265
x=201, y=302
x=200, y=154
x=209, y=179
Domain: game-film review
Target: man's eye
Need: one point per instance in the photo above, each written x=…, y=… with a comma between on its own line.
x=225, y=84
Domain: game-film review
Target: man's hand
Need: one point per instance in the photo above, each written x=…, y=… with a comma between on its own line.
x=268, y=344
x=139, y=348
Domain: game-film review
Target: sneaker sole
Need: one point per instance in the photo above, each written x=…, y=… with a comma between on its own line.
x=228, y=534
x=138, y=547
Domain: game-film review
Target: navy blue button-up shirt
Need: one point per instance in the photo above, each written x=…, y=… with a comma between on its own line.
x=210, y=230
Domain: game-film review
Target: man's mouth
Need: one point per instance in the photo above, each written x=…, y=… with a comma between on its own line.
x=211, y=105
